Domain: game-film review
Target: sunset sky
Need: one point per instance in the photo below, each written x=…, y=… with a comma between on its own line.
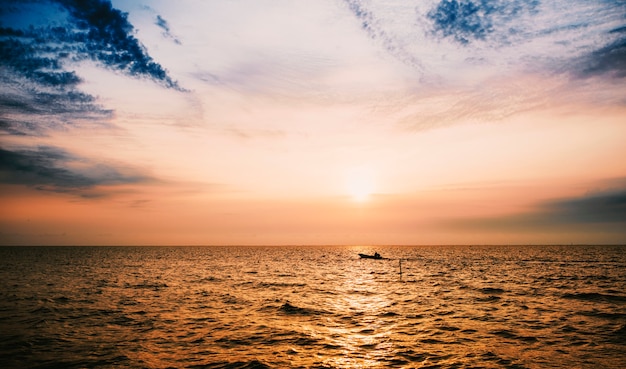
x=312, y=122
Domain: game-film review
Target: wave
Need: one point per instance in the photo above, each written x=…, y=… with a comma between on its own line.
x=605, y=315
x=388, y=314
x=146, y=285
x=491, y=290
x=253, y=364
x=269, y=337
x=490, y=298
x=328, y=314
x=505, y=333
x=289, y=309
x=210, y=279
x=594, y=296
x=619, y=335
x=280, y=284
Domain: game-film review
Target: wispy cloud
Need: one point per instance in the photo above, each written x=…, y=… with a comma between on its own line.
x=162, y=23
x=49, y=168
x=608, y=60
x=377, y=30
x=579, y=37
x=489, y=60
x=30, y=108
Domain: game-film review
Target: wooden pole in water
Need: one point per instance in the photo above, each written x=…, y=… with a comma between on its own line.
x=400, y=268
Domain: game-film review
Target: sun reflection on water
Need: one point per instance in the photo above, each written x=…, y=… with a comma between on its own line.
x=363, y=334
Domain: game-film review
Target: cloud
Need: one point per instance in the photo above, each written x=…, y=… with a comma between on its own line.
x=40, y=92
x=557, y=29
x=443, y=38
x=91, y=29
x=603, y=211
x=30, y=108
x=27, y=60
x=602, y=207
x=468, y=20
x=105, y=35
x=162, y=23
x=608, y=60
x=376, y=29
x=53, y=169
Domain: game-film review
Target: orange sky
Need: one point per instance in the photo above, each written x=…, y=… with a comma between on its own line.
x=325, y=123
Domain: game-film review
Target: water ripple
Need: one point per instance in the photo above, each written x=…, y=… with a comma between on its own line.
x=315, y=307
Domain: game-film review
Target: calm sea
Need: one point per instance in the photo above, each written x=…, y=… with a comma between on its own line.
x=313, y=307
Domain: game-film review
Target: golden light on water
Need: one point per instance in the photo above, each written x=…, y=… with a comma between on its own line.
x=323, y=307
x=373, y=334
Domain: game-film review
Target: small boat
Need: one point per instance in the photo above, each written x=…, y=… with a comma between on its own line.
x=375, y=256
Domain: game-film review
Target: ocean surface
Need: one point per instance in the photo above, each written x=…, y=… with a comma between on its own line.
x=313, y=307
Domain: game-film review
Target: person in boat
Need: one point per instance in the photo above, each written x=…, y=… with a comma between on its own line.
x=377, y=255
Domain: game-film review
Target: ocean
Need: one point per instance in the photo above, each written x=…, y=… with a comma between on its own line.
x=313, y=307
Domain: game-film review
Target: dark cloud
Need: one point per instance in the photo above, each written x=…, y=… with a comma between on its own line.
x=603, y=207
x=94, y=30
x=601, y=211
x=104, y=34
x=469, y=20
x=39, y=92
x=466, y=21
x=595, y=49
x=32, y=108
x=162, y=23
x=27, y=60
x=608, y=60
x=53, y=169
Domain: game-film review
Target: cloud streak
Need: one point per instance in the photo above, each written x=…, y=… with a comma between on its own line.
x=375, y=29
x=609, y=60
x=603, y=207
x=604, y=210
x=162, y=23
x=53, y=169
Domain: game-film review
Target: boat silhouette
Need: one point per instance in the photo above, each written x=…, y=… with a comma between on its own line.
x=375, y=256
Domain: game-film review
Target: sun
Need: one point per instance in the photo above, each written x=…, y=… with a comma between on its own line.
x=360, y=183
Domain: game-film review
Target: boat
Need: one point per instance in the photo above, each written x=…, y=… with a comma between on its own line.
x=375, y=256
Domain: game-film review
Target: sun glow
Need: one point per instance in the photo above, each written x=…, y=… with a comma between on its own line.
x=360, y=183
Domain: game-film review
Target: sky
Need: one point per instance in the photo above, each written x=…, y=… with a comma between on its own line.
x=273, y=122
